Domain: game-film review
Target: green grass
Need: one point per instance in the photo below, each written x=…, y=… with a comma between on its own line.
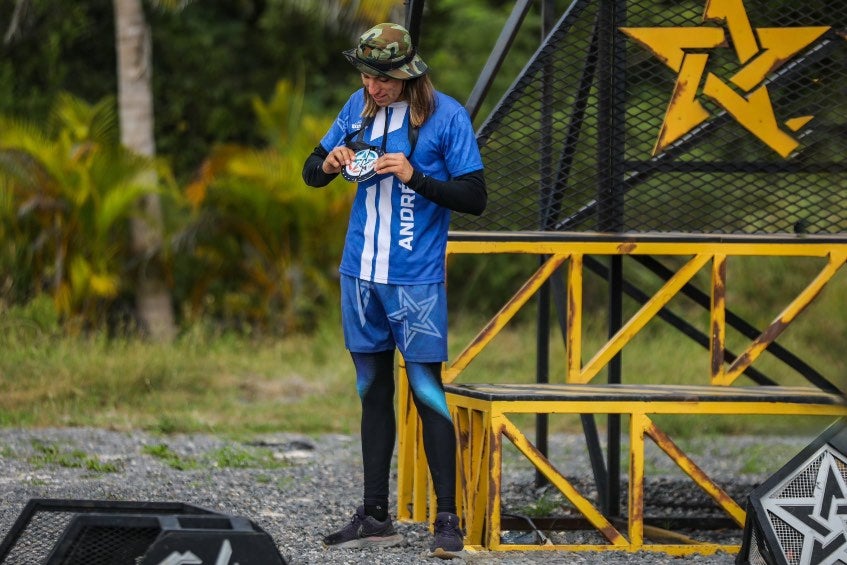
x=171, y=458
x=760, y=459
x=47, y=454
x=207, y=381
x=200, y=383
x=545, y=505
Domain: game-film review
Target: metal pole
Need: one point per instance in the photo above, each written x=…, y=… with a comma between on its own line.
x=414, y=13
x=617, y=91
x=542, y=355
x=495, y=59
x=610, y=211
x=613, y=440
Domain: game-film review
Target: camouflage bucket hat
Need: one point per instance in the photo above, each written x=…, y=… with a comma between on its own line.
x=387, y=50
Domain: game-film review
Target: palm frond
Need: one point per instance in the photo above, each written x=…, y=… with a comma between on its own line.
x=279, y=118
x=266, y=167
x=86, y=122
x=24, y=169
x=23, y=134
x=118, y=204
x=216, y=164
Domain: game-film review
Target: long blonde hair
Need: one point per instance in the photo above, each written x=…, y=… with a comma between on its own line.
x=420, y=94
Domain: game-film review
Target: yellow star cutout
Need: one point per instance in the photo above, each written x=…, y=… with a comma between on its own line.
x=760, y=52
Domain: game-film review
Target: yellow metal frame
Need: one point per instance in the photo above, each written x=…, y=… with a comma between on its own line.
x=480, y=426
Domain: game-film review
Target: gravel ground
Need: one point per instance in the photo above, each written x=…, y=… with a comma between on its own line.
x=318, y=482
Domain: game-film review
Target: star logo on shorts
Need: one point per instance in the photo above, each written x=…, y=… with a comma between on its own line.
x=820, y=516
x=415, y=317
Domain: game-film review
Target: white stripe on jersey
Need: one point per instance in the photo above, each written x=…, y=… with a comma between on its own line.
x=366, y=264
x=397, y=113
x=383, y=247
x=378, y=206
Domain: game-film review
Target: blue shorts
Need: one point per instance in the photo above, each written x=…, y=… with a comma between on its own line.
x=379, y=317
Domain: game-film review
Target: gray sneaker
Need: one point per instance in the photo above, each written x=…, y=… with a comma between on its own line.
x=449, y=538
x=364, y=531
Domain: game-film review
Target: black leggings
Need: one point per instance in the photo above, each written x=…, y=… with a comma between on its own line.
x=375, y=383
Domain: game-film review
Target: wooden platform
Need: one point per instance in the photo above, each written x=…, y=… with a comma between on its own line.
x=482, y=413
x=630, y=393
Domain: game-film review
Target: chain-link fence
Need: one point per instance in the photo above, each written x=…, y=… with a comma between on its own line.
x=675, y=116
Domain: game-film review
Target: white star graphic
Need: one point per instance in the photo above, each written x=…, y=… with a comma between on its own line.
x=819, y=516
x=415, y=317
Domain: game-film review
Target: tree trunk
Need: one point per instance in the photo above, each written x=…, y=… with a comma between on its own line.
x=135, y=108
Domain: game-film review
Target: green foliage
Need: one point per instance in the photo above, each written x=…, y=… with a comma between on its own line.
x=210, y=60
x=456, y=57
x=213, y=59
x=260, y=247
x=55, y=47
x=68, y=193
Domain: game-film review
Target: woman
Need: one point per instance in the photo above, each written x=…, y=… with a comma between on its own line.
x=413, y=152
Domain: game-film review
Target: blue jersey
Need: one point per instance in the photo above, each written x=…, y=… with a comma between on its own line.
x=396, y=236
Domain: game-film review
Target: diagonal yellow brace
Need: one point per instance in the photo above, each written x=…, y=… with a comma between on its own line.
x=836, y=261
x=506, y=313
x=691, y=469
x=480, y=449
x=640, y=319
x=541, y=463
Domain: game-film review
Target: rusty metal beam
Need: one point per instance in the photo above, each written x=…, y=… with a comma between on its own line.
x=800, y=303
x=640, y=319
x=582, y=504
x=690, y=468
x=574, y=321
x=717, y=343
x=506, y=313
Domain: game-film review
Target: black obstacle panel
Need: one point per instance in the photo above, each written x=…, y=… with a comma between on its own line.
x=799, y=514
x=645, y=115
x=94, y=532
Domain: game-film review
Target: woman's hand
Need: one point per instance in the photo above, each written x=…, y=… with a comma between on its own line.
x=396, y=164
x=337, y=159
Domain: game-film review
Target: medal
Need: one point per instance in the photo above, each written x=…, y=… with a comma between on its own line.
x=362, y=167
